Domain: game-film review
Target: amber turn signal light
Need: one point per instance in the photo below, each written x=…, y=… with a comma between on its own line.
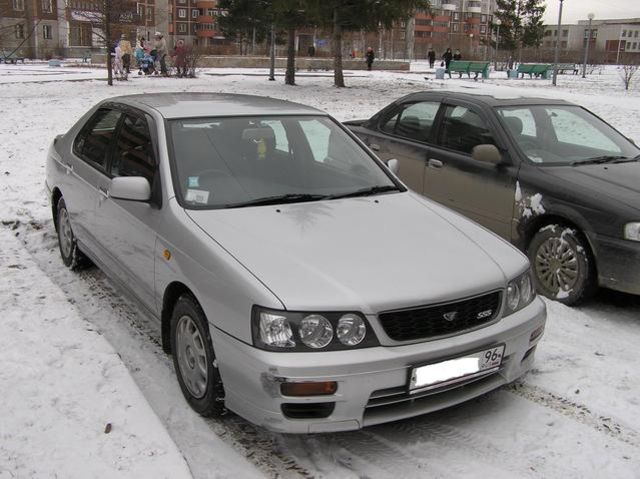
x=324, y=388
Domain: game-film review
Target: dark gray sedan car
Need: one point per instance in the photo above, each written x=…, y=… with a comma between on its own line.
x=547, y=175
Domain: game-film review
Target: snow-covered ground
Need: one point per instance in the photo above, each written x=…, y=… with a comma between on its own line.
x=76, y=355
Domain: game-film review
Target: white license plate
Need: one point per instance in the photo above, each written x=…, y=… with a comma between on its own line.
x=456, y=370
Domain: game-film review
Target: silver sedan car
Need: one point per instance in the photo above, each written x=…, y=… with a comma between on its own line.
x=296, y=281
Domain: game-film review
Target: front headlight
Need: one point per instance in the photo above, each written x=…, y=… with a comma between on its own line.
x=312, y=331
x=632, y=231
x=520, y=293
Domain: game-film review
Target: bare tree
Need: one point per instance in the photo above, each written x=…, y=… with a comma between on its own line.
x=108, y=19
x=628, y=70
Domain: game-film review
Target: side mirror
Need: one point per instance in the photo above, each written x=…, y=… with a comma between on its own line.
x=134, y=188
x=486, y=154
x=393, y=165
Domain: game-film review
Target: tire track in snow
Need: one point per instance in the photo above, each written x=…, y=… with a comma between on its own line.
x=257, y=445
x=575, y=411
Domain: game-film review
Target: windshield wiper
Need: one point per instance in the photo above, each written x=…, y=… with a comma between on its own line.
x=596, y=160
x=628, y=160
x=278, y=200
x=371, y=190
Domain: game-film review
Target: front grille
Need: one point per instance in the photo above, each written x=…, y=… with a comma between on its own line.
x=431, y=321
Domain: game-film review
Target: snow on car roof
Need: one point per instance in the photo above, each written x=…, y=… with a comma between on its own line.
x=190, y=105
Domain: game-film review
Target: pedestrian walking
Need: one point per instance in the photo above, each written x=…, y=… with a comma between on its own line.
x=431, y=56
x=127, y=52
x=369, y=57
x=447, y=56
x=180, y=58
x=160, y=47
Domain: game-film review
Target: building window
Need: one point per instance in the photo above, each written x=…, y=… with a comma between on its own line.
x=624, y=33
x=635, y=34
x=47, y=6
x=182, y=27
x=210, y=12
x=182, y=13
x=18, y=5
x=195, y=13
x=565, y=33
x=455, y=27
x=483, y=29
x=456, y=16
x=47, y=33
x=628, y=45
x=149, y=14
x=19, y=30
x=483, y=19
x=635, y=45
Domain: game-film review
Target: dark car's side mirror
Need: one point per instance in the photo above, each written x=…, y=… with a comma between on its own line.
x=486, y=154
x=393, y=165
x=133, y=188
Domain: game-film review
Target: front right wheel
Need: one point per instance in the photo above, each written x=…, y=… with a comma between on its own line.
x=194, y=359
x=562, y=264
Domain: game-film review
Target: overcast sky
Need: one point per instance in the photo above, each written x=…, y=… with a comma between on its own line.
x=574, y=10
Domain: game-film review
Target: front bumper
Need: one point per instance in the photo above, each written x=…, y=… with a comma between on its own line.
x=372, y=382
x=618, y=263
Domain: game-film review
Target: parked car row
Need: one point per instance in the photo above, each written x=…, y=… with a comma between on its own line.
x=300, y=284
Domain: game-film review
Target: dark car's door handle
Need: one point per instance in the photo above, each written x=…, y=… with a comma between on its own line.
x=433, y=163
x=374, y=147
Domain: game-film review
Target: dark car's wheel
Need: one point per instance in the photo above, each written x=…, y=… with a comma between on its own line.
x=562, y=264
x=194, y=359
x=71, y=255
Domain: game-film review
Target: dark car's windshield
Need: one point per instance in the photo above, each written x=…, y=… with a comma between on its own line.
x=249, y=161
x=564, y=135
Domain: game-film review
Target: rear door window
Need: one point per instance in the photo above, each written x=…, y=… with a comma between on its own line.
x=414, y=122
x=463, y=129
x=94, y=141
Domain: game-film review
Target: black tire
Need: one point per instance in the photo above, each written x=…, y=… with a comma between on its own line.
x=71, y=255
x=191, y=358
x=562, y=264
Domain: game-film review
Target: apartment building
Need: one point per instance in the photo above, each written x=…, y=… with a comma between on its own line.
x=29, y=26
x=461, y=24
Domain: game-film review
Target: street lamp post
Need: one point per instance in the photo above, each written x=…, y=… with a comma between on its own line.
x=555, y=56
x=471, y=44
x=497, y=23
x=586, y=48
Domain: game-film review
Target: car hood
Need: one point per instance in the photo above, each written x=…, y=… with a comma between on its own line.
x=368, y=254
x=620, y=181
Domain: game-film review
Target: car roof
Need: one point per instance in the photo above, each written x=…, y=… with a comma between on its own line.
x=198, y=105
x=484, y=98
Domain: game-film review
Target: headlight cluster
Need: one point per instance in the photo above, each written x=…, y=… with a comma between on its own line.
x=295, y=331
x=520, y=293
x=632, y=231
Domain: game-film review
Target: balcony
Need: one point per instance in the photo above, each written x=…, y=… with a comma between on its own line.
x=206, y=4
x=474, y=7
x=205, y=19
x=451, y=7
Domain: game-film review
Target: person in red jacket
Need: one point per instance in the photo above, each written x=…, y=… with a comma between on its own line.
x=180, y=58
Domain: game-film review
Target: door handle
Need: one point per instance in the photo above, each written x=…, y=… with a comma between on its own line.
x=374, y=147
x=103, y=192
x=433, y=163
x=69, y=167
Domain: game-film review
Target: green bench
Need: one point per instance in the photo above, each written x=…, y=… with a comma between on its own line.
x=563, y=67
x=469, y=67
x=539, y=70
x=10, y=58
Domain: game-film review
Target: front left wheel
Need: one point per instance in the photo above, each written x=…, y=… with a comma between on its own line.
x=71, y=255
x=194, y=359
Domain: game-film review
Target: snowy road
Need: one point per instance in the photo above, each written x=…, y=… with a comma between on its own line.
x=574, y=415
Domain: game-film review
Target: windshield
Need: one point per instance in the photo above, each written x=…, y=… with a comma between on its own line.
x=564, y=135
x=246, y=161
